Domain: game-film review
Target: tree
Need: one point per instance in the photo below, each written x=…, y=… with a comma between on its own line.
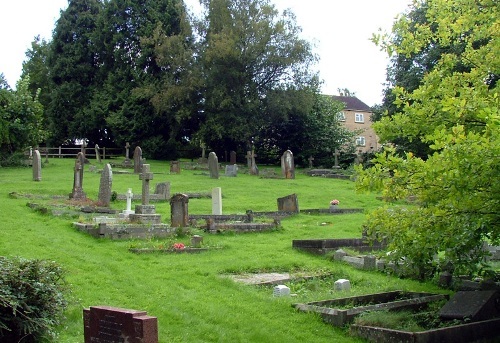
x=248, y=54
x=455, y=110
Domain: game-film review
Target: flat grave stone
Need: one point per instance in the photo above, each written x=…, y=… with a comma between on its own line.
x=475, y=305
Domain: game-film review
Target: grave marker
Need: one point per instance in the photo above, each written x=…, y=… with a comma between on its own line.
x=145, y=176
x=78, y=193
x=475, y=305
x=213, y=165
x=336, y=155
x=232, y=157
x=137, y=160
x=129, y=197
x=105, y=324
x=217, y=201
x=231, y=170
x=290, y=203
x=310, y=159
x=175, y=167
x=288, y=165
x=105, y=185
x=179, y=215
x=97, y=154
x=37, y=166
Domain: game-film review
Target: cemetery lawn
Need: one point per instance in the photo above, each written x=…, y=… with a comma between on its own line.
x=190, y=294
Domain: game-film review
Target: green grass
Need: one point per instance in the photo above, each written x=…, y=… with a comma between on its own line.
x=187, y=292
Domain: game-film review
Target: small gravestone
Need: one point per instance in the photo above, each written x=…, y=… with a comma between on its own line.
x=104, y=197
x=105, y=324
x=288, y=165
x=290, y=203
x=179, y=215
x=128, y=210
x=342, y=285
x=231, y=170
x=77, y=192
x=137, y=160
x=202, y=159
x=213, y=165
x=37, y=166
x=175, y=167
x=196, y=241
x=281, y=291
x=232, y=157
x=254, y=170
x=97, y=154
x=217, y=201
x=162, y=190
x=474, y=305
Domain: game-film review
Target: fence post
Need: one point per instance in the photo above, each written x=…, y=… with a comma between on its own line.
x=103, y=153
x=60, y=151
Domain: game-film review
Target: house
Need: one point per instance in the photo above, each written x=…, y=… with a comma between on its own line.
x=356, y=116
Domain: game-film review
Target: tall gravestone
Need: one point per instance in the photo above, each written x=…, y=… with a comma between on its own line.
x=37, y=166
x=127, y=162
x=104, y=197
x=288, y=165
x=77, y=192
x=97, y=153
x=137, y=160
x=217, y=201
x=145, y=213
x=105, y=324
x=232, y=157
x=213, y=165
x=179, y=215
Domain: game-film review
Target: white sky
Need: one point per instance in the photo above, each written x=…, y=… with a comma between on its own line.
x=340, y=31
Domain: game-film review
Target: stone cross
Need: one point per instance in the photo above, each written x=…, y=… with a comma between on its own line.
x=310, y=159
x=127, y=151
x=37, y=166
x=336, y=154
x=203, y=147
x=249, y=159
x=129, y=196
x=77, y=192
x=145, y=176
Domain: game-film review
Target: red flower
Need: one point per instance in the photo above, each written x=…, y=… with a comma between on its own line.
x=178, y=246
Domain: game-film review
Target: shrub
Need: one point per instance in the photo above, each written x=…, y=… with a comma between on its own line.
x=31, y=299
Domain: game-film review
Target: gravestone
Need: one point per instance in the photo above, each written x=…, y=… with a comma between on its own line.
x=249, y=159
x=37, y=166
x=202, y=159
x=179, y=215
x=310, y=159
x=474, y=305
x=105, y=324
x=231, y=170
x=252, y=165
x=127, y=163
x=288, y=165
x=217, y=201
x=137, y=160
x=162, y=190
x=290, y=203
x=97, y=154
x=145, y=176
x=175, y=167
x=145, y=213
x=105, y=184
x=213, y=165
x=232, y=157
x=128, y=210
x=336, y=155
x=78, y=193
x=82, y=149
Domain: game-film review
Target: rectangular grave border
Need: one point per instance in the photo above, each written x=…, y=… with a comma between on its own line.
x=324, y=246
x=126, y=231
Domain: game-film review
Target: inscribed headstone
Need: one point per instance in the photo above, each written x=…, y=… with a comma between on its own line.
x=37, y=166
x=104, y=324
x=288, y=165
x=104, y=197
x=137, y=160
x=217, y=201
x=290, y=203
x=213, y=165
x=179, y=215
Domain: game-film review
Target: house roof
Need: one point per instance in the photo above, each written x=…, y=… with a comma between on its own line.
x=352, y=103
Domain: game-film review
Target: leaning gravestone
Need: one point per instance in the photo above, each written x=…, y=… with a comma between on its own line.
x=104, y=324
x=137, y=160
x=179, y=215
x=290, y=203
x=37, y=166
x=288, y=165
x=213, y=165
x=104, y=197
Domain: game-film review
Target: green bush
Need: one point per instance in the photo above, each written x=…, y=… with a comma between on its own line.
x=31, y=299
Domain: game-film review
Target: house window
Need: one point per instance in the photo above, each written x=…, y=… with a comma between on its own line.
x=359, y=118
x=360, y=141
x=341, y=116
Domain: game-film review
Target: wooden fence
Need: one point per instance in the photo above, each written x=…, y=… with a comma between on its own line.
x=62, y=152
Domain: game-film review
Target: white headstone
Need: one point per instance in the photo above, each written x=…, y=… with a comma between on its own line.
x=281, y=290
x=129, y=210
x=342, y=285
x=217, y=201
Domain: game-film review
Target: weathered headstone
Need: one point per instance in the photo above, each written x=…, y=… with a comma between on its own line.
x=145, y=213
x=342, y=285
x=179, y=215
x=213, y=165
x=104, y=197
x=127, y=162
x=290, y=203
x=162, y=190
x=288, y=165
x=105, y=324
x=175, y=167
x=97, y=154
x=202, y=159
x=217, y=201
x=249, y=159
x=37, y=166
x=231, y=170
x=254, y=170
x=145, y=176
x=196, y=241
x=310, y=159
x=137, y=160
x=232, y=157
x=78, y=193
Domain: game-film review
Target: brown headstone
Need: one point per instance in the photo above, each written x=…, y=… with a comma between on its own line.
x=175, y=167
x=179, y=210
x=290, y=203
x=232, y=157
x=288, y=165
x=104, y=324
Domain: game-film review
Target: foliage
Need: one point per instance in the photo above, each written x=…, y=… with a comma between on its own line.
x=31, y=299
x=455, y=110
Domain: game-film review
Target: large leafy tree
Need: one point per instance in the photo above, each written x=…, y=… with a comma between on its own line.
x=455, y=110
x=248, y=53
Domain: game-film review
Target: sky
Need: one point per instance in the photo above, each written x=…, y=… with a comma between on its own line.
x=339, y=30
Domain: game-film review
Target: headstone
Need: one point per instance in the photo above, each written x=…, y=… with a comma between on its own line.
x=336, y=155
x=217, y=201
x=179, y=215
x=196, y=241
x=129, y=197
x=288, y=165
x=290, y=203
x=342, y=285
x=83, y=147
x=162, y=190
x=310, y=159
x=249, y=159
x=213, y=165
x=281, y=291
x=254, y=170
x=202, y=159
x=78, y=193
x=474, y=305
x=232, y=157
x=104, y=324
x=231, y=170
x=137, y=160
x=37, y=166
x=127, y=163
x=97, y=154
x=175, y=167
x=145, y=176
x=104, y=197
